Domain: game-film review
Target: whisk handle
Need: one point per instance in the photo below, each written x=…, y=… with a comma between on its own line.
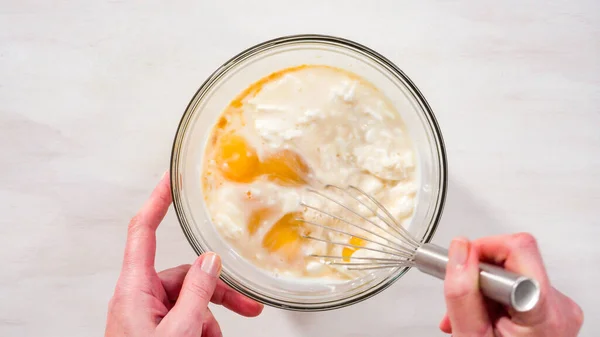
x=516, y=291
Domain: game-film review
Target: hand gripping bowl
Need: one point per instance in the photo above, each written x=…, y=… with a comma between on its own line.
x=236, y=75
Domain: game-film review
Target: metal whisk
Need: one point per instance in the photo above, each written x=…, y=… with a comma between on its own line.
x=400, y=249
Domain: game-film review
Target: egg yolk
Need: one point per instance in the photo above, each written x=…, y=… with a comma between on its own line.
x=285, y=236
x=236, y=159
x=348, y=251
x=239, y=162
x=257, y=217
x=286, y=168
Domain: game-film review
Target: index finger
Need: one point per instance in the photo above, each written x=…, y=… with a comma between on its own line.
x=172, y=280
x=140, y=248
x=235, y=301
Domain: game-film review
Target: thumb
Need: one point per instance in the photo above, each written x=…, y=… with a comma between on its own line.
x=188, y=314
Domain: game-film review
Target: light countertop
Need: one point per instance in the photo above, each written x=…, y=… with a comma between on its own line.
x=91, y=93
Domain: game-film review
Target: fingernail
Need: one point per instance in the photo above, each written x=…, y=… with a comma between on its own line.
x=459, y=252
x=164, y=174
x=211, y=264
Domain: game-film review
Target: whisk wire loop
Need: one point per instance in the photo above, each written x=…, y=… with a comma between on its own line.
x=344, y=244
x=395, y=226
x=394, y=241
x=398, y=249
x=352, y=212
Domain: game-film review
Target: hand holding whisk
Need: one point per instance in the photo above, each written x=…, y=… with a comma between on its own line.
x=396, y=247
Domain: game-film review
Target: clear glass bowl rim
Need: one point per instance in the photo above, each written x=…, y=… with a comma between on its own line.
x=327, y=40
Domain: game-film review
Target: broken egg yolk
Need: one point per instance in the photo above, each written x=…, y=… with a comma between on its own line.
x=257, y=217
x=236, y=160
x=285, y=236
x=286, y=168
x=239, y=162
x=348, y=251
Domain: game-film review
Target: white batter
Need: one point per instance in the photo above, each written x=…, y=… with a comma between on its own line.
x=346, y=133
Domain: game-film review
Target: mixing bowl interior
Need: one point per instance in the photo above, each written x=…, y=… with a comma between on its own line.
x=236, y=75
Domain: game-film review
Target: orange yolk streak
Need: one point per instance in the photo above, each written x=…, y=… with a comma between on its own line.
x=285, y=236
x=257, y=217
x=348, y=251
x=285, y=168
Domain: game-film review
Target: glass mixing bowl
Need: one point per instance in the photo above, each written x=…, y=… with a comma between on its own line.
x=235, y=76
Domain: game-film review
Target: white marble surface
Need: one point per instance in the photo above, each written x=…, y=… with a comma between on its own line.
x=91, y=93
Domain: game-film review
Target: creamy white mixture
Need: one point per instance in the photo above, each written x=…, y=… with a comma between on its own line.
x=348, y=134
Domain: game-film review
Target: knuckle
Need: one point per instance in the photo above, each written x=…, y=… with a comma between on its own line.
x=484, y=330
x=199, y=290
x=525, y=240
x=456, y=289
x=183, y=267
x=115, y=301
x=165, y=198
x=218, y=297
x=134, y=224
x=137, y=228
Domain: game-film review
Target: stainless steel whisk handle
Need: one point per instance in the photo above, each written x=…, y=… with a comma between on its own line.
x=516, y=291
